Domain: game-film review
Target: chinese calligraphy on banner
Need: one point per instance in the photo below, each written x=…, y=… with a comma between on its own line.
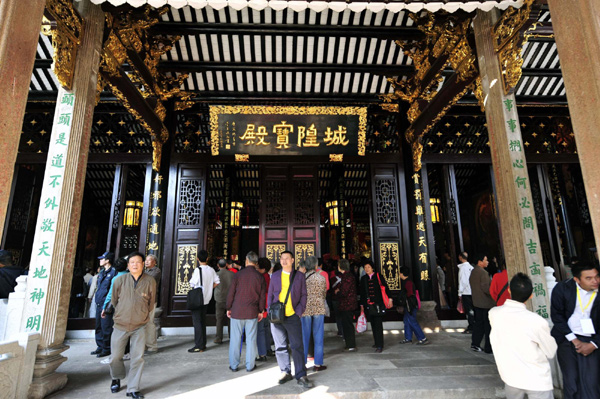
x=528, y=224
x=264, y=130
x=421, y=228
x=45, y=233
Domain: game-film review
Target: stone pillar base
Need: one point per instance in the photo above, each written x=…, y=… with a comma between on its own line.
x=45, y=378
x=427, y=316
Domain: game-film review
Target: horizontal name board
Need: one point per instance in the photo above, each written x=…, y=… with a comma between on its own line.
x=268, y=130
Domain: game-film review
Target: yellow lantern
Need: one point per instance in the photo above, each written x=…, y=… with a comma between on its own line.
x=132, y=213
x=236, y=212
x=434, y=204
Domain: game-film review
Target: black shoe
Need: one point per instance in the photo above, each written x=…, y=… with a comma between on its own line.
x=234, y=370
x=476, y=348
x=252, y=369
x=196, y=350
x=467, y=331
x=96, y=351
x=115, y=385
x=285, y=377
x=424, y=341
x=103, y=354
x=305, y=383
x=135, y=395
x=378, y=350
x=261, y=359
x=270, y=353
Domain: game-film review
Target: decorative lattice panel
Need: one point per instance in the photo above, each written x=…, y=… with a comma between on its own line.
x=390, y=264
x=276, y=203
x=304, y=208
x=190, y=202
x=386, y=201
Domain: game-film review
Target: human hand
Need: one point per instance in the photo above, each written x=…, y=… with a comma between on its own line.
x=260, y=316
x=586, y=348
x=229, y=314
x=103, y=314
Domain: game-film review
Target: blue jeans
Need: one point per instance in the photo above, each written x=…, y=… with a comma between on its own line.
x=263, y=340
x=411, y=325
x=316, y=325
x=237, y=327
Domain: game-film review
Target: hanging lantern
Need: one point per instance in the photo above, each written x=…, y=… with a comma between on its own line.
x=132, y=213
x=434, y=204
x=334, y=219
x=236, y=211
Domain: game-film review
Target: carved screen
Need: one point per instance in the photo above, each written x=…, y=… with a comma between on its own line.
x=186, y=262
x=386, y=201
x=274, y=251
x=276, y=207
x=303, y=251
x=304, y=202
x=190, y=202
x=390, y=264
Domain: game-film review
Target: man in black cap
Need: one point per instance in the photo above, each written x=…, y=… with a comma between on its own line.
x=104, y=326
x=8, y=274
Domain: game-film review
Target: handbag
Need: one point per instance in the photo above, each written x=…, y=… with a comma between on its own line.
x=195, y=297
x=386, y=300
x=277, y=309
x=361, y=323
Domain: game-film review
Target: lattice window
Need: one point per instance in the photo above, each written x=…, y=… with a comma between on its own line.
x=276, y=201
x=190, y=202
x=304, y=205
x=386, y=201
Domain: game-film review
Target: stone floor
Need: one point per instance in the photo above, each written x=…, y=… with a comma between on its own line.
x=445, y=369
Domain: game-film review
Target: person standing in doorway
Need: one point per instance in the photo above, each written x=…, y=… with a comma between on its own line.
x=263, y=335
x=409, y=301
x=482, y=303
x=221, y=290
x=104, y=326
x=313, y=318
x=347, y=304
x=372, y=303
x=205, y=277
x=245, y=306
x=133, y=298
x=464, y=289
x=154, y=271
x=290, y=331
x=575, y=313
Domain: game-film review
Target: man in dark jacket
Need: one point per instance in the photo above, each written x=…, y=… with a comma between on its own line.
x=347, y=303
x=290, y=331
x=576, y=316
x=482, y=303
x=8, y=274
x=104, y=326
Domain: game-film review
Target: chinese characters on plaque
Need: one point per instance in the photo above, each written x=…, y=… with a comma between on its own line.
x=264, y=130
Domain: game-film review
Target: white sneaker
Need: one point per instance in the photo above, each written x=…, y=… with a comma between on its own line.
x=105, y=361
x=127, y=356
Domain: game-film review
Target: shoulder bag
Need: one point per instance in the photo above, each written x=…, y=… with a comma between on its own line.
x=276, y=312
x=195, y=297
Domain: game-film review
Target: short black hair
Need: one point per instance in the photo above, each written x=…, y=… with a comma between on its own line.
x=264, y=264
x=371, y=263
x=136, y=253
x=344, y=265
x=464, y=255
x=203, y=256
x=120, y=265
x=479, y=257
x=405, y=271
x=287, y=252
x=521, y=287
x=581, y=267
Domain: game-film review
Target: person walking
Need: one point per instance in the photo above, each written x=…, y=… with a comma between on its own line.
x=313, y=318
x=133, y=298
x=205, y=277
x=153, y=270
x=245, y=306
x=410, y=304
x=104, y=326
x=522, y=345
x=575, y=312
x=347, y=303
x=372, y=286
x=290, y=330
x=221, y=290
x=482, y=303
x=464, y=290
x=499, y=288
x=263, y=335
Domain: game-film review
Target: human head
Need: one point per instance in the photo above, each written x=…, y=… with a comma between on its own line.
x=135, y=263
x=369, y=266
x=5, y=258
x=203, y=256
x=264, y=265
x=287, y=260
x=344, y=265
x=107, y=259
x=311, y=263
x=586, y=275
x=481, y=260
x=121, y=265
x=151, y=261
x=520, y=287
x=302, y=266
x=252, y=259
x=222, y=263
x=277, y=267
x=404, y=272
x=463, y=257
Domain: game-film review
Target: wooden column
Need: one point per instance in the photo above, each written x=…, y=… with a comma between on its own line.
x=577, y=30
x=520, y=238
x=19, y=33
x=51, y=268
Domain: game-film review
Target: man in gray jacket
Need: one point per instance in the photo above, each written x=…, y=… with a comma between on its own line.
x=482, y=303
x=221, y=291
